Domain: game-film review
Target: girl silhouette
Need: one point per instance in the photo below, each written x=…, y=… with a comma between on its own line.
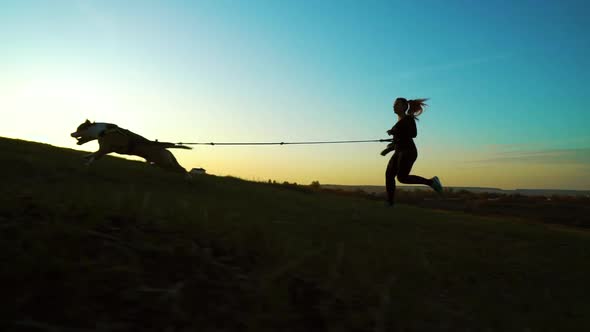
x=405, y=153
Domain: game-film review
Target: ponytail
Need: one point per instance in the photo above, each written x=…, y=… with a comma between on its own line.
x=416, y=106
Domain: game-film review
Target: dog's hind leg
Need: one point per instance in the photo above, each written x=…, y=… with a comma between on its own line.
x=174, y=165
x=167, y=161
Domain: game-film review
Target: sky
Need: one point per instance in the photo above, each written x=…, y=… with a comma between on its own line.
x=507, y=82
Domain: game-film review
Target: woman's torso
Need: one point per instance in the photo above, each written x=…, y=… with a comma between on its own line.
x=404, y=132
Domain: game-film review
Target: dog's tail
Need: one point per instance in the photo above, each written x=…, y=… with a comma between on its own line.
x=179, y=146
x=168, y=145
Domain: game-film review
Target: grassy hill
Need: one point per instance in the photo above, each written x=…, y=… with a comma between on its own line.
x=124, y=246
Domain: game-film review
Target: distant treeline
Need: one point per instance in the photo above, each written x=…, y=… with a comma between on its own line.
x=555, y=209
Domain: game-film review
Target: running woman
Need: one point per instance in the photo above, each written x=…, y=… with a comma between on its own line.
x=404, y=132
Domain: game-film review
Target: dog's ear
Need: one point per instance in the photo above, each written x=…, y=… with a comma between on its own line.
x=87, y=121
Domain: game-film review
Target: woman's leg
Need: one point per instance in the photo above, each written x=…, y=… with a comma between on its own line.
x=406, y=161
x=390, y=174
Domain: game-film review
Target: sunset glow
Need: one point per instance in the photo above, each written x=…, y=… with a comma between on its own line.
x=507, y=84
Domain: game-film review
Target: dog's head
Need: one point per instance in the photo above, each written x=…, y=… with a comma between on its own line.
x=84, y=133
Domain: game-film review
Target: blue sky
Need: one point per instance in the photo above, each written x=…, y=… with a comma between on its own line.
x=507, y=81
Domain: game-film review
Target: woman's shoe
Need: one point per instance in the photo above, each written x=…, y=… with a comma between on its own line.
x=436, y=185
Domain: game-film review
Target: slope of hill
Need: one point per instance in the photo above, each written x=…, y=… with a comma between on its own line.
x=123, y=246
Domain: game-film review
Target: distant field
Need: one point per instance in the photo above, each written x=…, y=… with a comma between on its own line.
x=525, y=192
x=124, y=246
x=560, y=208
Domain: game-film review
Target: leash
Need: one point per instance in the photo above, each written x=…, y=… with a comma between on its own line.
x=288, y=143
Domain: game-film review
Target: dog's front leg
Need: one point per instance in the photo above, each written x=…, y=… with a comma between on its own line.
x=89, y=158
